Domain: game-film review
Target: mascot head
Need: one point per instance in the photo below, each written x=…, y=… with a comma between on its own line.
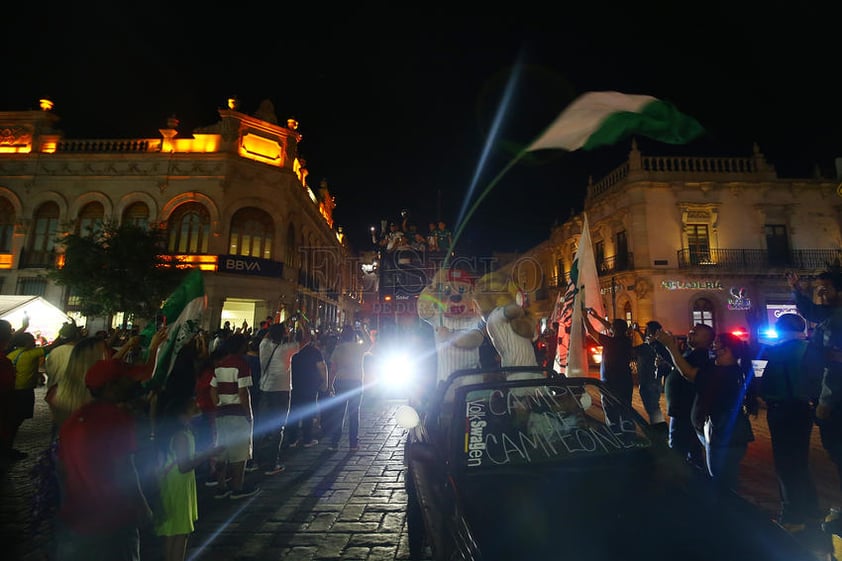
x=450, y=294
x=494, y=290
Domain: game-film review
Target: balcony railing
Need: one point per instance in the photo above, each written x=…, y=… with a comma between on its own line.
x=616, y=264
x=756, y=259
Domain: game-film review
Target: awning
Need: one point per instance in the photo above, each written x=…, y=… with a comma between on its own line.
x=43, y=316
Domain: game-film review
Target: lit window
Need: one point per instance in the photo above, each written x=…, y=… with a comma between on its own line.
x=189, y=229
x=251, y=233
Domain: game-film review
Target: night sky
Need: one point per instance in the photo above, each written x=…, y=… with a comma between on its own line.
x=405, y=107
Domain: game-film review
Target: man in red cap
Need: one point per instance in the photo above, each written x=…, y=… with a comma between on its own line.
x=103, y=505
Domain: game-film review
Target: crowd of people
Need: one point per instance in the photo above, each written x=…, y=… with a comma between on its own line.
x=406, y=235
x=711, y=392
x=238, y=400
x=127, y=456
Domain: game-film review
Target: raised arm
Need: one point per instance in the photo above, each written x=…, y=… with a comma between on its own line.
x=684, y=368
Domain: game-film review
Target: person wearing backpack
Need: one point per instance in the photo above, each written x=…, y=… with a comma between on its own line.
x=790, y=396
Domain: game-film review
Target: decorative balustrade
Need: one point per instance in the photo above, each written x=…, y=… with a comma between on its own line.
x=655, y=166
x=727, y=260
x=126, y=145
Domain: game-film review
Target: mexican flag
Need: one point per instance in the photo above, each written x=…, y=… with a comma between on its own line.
x=582, y=291
x=603, y=118
x=183, y=312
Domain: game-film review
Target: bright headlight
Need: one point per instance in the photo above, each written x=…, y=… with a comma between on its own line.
x=397, y=369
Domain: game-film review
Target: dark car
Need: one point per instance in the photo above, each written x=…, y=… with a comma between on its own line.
x=520, y=464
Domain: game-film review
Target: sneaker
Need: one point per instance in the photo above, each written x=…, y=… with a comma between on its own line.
x=222, y=494
x=215, y=482
x=310, y=444
x=333, y=448
x=275, y=470
x=293, y=444
x=251, y=465
x=245, y=492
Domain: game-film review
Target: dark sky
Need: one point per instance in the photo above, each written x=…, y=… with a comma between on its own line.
x=397, y=101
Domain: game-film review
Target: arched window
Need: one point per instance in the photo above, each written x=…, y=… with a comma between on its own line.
x=136, y=214
x=7, y=225
x=251, y=233
x=703, y=313
x=291, y=253
x=42, y=237
x=90, y=219
x=189, y=229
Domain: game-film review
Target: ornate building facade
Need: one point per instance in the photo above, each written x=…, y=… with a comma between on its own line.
x=233, y=198
x=684, y=240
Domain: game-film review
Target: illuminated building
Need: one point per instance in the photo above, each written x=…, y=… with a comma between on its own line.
x=233, y=197
x=693, y=239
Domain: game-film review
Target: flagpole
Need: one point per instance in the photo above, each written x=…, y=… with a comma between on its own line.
x=477, y=202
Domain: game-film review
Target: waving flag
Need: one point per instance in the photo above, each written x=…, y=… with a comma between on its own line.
x=582, y=291
x=602, y=118
x=183, y=311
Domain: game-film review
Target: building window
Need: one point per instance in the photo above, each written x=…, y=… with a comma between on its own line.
x=251, y=233
x=42, y=236
x=599, y=255
x=621, y=252
x=290, y=257
x=189, y=229
x=31, y=286
x=7, y=225
x=698, y=243
x=703, y=313
x=90, y=219
x=137, y=214
x=777, y=245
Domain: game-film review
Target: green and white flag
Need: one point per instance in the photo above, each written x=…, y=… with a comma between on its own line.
x=183, y=312
x=603, y=118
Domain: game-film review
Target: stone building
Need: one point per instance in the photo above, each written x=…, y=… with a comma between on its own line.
x=233, y=197
x=693, y=239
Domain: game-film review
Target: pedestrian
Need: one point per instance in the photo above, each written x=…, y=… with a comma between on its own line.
x=179, y=508
x=309, y=376
x=230, y=392
x=26, y=358
x=346, y=386
x=789, y=394
x=7, y=390
x=617, y=355
x=722, y=404
x=652, y=361
x=680, y=394
x=275, y=352
x=102, y=504
x=825, y=355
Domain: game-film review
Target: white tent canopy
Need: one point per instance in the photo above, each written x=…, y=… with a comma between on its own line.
x=43, y=316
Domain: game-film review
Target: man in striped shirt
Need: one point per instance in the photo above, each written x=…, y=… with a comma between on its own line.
x=230, y=391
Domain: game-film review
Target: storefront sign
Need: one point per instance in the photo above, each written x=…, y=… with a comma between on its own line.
x=691, y=285
x=737, y=299
x=252, y=266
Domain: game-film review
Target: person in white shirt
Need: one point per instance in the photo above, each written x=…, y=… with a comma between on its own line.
x=276, y=350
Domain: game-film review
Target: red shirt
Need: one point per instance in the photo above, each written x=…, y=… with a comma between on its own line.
x=203, y=395
x=100, y=491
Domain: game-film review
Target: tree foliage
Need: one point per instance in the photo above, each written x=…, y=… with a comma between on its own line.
x=118, y=269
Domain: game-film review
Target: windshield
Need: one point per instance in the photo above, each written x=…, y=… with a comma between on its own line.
x=563, y=422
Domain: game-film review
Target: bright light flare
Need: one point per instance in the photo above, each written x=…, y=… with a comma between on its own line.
x=397, y=370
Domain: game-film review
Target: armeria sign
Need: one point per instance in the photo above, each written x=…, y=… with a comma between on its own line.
x=252, y=266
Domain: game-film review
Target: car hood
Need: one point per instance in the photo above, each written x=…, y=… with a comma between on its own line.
x=592, y=514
